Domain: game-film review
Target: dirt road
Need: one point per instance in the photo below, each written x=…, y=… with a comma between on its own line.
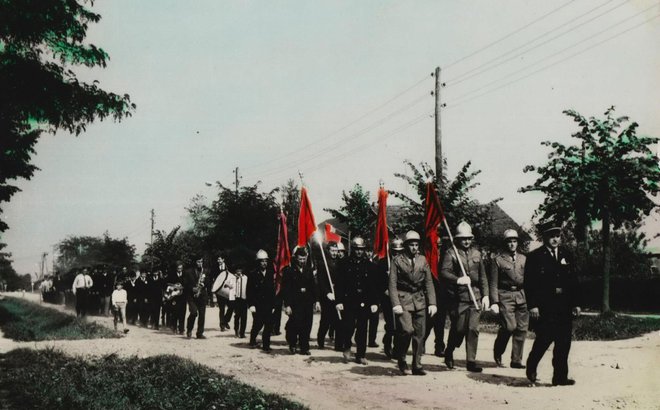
x=610, y=375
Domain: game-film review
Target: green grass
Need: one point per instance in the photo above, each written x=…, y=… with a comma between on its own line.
x=48, y=379
x=26, y=321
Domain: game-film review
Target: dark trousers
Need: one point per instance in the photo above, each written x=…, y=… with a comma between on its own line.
x=436, y=323
x=178, y=314
x=225, y=310
x=104, y=309
x=196, y=310
x=388, y=317
x=262, y=318
x=410, y=326
x=464, y=325
x=82, y=299
x=132, y=310
x=277, y=314
x=355, y=320
x=144, y=311
x=374, y=318
x=514, y=320
x=558, y=332
x=155, y=314
x=240, y=316
x=299, y=326
x=329, y=320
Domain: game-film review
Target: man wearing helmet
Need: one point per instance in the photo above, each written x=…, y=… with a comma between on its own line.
x=412, y=294
x=341, y=251
x=508, y=298
x=396, y=248
x=261, y=299
x=463, y=314
x=356, y=298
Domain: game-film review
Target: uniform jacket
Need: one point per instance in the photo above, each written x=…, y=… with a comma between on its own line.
x=261, y=289
x=299, y=288
x=356, y=285
x=475, y=269
x=505, y=274
x=191, y=279
x=324, y=285
x=411, y=286
x=551, y=284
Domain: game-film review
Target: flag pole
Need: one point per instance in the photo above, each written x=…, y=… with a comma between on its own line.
x=317, y=237
x=451, y=239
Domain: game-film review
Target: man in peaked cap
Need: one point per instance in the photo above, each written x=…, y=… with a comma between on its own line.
x=551, y=289
x=463, y=314
x=508, y=299
x=412, y=294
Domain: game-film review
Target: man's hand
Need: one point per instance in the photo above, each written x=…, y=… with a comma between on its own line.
x=576, y=311
x=432, y=310
x=287, y=310
x=317, y=307
x=397, y=310
x=485, y=303
x=534, y=313
x=330, y=296
x=495, y=308
x=253, y=309
x=339, y=307
x=374, y=308
x=464, y=280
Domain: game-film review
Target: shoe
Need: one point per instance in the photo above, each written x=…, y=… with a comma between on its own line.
x=201, y=337
x=267, y=349
x=292, y=350
x=564, y=382
x=347, y=356
x=403, y=366
x=531, y=375
x=276, y=333
x=189, y=335
x=419, y=372
x=253, y=343
x=321, y=345
x=439, y=353
x=305, y=352
x=449, y=360
x=361, y=360
x=388, y=351
x=236, y=335
x=373, y=344
x=516, y=365
x=126, y=331
x=241, y=336
x=472, y=367
x=498, y=360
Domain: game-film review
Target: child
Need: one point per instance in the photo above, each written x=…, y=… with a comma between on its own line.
x=119, y=299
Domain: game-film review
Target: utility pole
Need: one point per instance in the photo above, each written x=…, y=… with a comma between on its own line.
x=438, y=129
x=43, y=265
x=236, y=179
x=151, y=240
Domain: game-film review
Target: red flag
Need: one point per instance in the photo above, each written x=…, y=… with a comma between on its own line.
x=330, y=234
x=283, y=257
x=306, y=224
x=382, y=236
x=434, y=217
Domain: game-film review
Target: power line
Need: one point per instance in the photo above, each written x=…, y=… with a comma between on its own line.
x=555, y=63
x=465, y=76
x=487, y=46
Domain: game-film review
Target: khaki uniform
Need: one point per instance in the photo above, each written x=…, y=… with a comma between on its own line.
x=506, y=288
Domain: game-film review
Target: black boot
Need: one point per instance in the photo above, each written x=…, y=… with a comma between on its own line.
x=472, y=367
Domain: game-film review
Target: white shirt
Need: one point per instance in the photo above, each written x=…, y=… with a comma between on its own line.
x=82, y=281
x=119, y=296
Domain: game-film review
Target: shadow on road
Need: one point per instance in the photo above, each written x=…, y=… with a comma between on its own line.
x=505, y=380
x=375, y=370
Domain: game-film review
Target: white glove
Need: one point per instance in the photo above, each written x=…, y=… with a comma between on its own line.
x=534, y=313
x=485, y=303
x=287, y=310
x=432, y=310
x=339, y=307
x=464, y=280
x=397, y=310
x=495, y=308
x=253, y=309
x=576, y=311
x=330, y=296
x=374, y=308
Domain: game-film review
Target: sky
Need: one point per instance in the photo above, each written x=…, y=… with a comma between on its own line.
x=339, y=91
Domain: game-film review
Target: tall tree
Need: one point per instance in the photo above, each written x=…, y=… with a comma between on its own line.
x=79, y=251
x=40, y=43
x=356, y=212
x=7, y=273
x=290, y=193
x=611, y=176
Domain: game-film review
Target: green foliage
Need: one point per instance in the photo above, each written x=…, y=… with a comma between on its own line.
x=456, y=199
x=356, y=212
x=7, y=273
x=169, y=248
x=612, y=327
x=290, y=193
x=76, y=252
x=25, y=321
x=50, y=379
x=40, y=41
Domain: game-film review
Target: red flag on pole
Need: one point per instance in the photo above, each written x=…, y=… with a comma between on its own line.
x=382, y=237
x=331, y=234
x=283, y=257
x=434, y=217
x=306, y=224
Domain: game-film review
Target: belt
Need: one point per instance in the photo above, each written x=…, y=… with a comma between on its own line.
x=511, y=288
x=405, y=287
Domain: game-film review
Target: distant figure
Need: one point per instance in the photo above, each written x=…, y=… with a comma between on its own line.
x=223, y=288
x=119, y=299
x=176, y=300
x=329, y=319
x=261, y=299
x=240, y=302
x=81, y=285
x=194, y=290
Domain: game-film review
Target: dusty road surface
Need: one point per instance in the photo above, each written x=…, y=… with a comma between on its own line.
x=610, y=375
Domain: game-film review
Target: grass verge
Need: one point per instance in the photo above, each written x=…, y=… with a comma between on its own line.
x=49, y=379
x=26, y=321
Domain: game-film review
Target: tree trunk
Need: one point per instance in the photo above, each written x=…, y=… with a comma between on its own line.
x=607, y=263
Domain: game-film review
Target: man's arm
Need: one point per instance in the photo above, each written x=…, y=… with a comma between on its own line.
x=447, y=269
x=493, y=281
x=394, y=273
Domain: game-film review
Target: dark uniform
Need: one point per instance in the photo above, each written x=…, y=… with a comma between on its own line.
x=194, y=292
x=261, y=295
x=462, y=312
x=411, y=287
x=177, y=314
x=329, y=318
x=142, y=290
x=382, y=284
x=357, y=292
x=551, y=286
x=506, y=288
x=300, y=293
x=436, y=323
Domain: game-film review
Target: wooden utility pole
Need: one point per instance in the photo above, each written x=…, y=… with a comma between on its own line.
x=438, y=130
x=151, y=239
x=236, y=179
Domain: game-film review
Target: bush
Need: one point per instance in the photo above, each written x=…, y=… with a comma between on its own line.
x=50, y=379
x=25, y=321
x=612, y=327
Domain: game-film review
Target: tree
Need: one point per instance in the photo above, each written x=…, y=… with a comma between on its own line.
x=40, y=42
x=169, y=248
x=457, y=203
x=290, y=193
x=356, y=212
x=77, y=252
x=7, y=273
x=611, y=176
